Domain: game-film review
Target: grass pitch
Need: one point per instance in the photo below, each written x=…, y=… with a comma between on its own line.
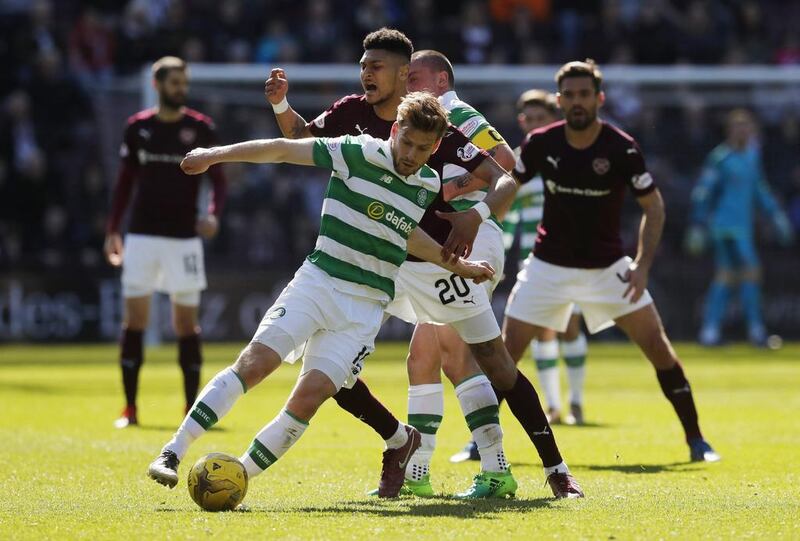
x=66, y=473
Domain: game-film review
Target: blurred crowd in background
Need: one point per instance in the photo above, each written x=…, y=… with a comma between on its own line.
x=59, y=55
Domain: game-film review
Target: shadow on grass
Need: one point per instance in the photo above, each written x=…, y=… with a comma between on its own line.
x=639, y=468
x=434, y=507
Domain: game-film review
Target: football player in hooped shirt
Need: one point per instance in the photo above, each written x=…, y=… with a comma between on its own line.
x=587, y=166
x=162, y=250
x=384, y=73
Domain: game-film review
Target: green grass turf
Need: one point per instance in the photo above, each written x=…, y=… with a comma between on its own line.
x=66, y=473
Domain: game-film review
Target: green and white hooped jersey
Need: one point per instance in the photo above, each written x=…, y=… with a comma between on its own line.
x=368, y=213
x=525, y=213
x=475, y=126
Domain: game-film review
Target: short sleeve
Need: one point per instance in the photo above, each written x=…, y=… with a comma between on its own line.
x=327, y=153
x=525, y=168
x=458, y=150
x=329, y=122
x=636, y=173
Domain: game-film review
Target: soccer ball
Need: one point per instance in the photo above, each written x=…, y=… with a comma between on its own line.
x=218, y=482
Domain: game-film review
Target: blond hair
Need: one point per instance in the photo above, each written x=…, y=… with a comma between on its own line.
x=422, y=111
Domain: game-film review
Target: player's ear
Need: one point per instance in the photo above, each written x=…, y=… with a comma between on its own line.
x=436, y=146
x=521, y=120
x=601, y=98
x=393, y=132
x=402, y=73
x=558, y=99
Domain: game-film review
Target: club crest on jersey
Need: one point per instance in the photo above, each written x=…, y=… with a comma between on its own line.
x=422, y=197
x=601, y=165
x=187, y=136
x=276, y=313
x=467, y=152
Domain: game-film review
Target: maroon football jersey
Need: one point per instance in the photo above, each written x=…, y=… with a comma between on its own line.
x=165, y=203
x=584, y=191
x=352, y=115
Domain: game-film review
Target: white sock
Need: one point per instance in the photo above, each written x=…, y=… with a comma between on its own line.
x=425, y=410
x=479, y=405
x=562, y=468
x=574, y=353
x=272, y=442
x=214, y=401
x=546, y=356
x=398, y=439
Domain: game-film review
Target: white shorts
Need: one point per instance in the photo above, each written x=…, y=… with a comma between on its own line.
x=427, y=293
x=170, y=265
x=544, y=295
x=333, y=331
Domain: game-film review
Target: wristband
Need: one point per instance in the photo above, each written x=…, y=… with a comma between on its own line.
x=483, y=210
x=281, y=107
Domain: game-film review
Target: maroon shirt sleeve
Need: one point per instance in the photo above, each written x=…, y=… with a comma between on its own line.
x=334, y=121
x=219, y=182
x=457, y=149
x=635, y=170
x=129, y=163
x=525, y=168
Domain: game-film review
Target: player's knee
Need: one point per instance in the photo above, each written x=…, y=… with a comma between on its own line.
x=495, y=363
x=255, y=362
x=422, y=368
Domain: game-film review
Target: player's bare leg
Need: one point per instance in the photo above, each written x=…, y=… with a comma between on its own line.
x=574, y=349
x=135, y=319
x=644, y=328
x=497, y=363
x=187, y=329
x=255, y=362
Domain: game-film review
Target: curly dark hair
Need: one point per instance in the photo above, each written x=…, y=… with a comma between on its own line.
x=390, y=40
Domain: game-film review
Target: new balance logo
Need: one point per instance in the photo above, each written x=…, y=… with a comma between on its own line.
x=544, y=432
x=387, y=179
x=554, y=161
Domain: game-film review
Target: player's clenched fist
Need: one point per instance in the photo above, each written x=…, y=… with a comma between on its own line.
x=276, y=87
x=197, y=161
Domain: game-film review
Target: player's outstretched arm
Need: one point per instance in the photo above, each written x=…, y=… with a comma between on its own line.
x=300, y=152
x=421, y=245
x=292, y=125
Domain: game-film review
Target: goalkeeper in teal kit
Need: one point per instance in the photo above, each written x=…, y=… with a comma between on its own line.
x=731, y=188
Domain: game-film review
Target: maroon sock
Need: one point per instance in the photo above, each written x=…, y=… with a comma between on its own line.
x=130, y=360
x=677, y=390
x=360, y=403
x=190, y=359
x=526, y=407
